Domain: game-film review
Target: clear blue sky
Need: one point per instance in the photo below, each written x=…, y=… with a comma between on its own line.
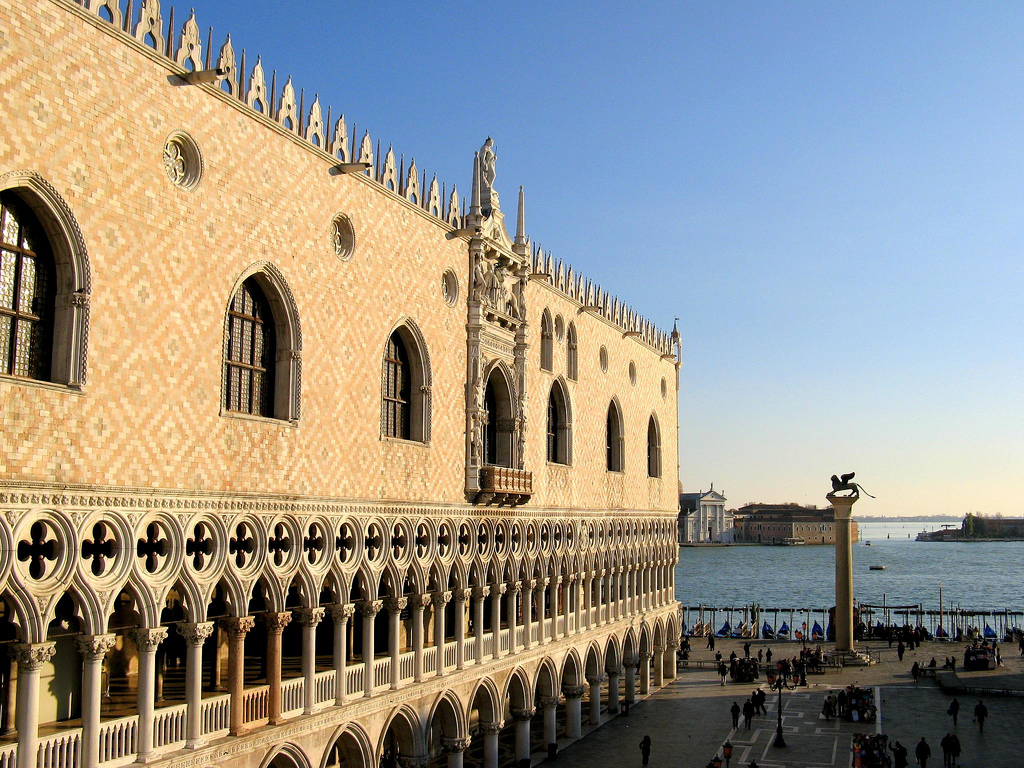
x=829, y=196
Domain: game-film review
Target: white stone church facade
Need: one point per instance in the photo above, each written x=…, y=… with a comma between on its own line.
x=305, y=462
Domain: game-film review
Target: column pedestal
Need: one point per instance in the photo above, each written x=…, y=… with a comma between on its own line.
x=843, y=509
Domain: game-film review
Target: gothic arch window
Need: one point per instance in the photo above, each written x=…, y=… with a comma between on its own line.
x=653, y=448
x=571, y=353
x=405, y=386
x=614, y=439
x=262, y=347
x=499, y=430
x=27, y=292
x=547, y=341
x=559, y=425
x=45, y=283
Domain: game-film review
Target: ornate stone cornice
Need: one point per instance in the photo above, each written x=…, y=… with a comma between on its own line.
x=195, y=634
x=32, y=656
x=95, y=647
x=147, y=639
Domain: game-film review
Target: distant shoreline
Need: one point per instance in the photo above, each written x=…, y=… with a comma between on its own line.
x=917, y=519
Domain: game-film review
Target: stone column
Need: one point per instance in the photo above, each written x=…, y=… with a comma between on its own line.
x=309, y=618
x=395, y=606
x=440, y=600
x=566, y=584
x=490, y=732
x=613, y=690
x=461, y=598
x=670, y=660
x=147, y=640
x=419, y=602
x=512, y=609
x=577, y=627
x=454, y=747
x=523, y=718
x=602, y=598
x=645, y=674
x=588, y=597
x=479, y=595
x=341, y=613
x=497, y=590
x=629, y=664
x=574, y=710
x=659, y=667
x=30, y=658
x=275, y=622
x=195, y=635
x=236, y=629
x=94, y=649
x=369, y=609
x=842, y=506
x=595, y=699
x=528, y=585
x=550, y=704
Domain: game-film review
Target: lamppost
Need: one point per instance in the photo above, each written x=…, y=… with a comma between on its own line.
x=778, y=683
x=727, y=752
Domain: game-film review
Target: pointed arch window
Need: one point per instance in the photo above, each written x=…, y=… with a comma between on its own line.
x=405, y=386
x=559, y=429
x=27, y=292
x=653, y=449
x=498, y=433
x=571, y=353
x=397, y=384
x=251, y=354
x=547, y=342
x=614, y=439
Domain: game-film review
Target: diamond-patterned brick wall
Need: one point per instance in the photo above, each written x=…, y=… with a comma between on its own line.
x=91, y=113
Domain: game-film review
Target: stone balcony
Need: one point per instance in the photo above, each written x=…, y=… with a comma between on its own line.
x=504, y=486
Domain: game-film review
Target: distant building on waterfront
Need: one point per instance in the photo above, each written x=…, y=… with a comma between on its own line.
x=786, y=523
x=703, y=518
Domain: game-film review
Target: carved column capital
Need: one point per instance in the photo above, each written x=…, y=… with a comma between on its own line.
x=515, y=587
x=276, y=622
x=595, y=680
x=421, y=601
x=574, y=691
x=457, y=744
x=395, y=604
x=479, y=593
x=492, y=728
x=197, y=633
x=147, y=639
x=94, y=647
x=310, y=617
x=630, y=662
x=555, y=580
x=238, y=626
x=498, y=589
x=526, y=713
x=529, y=583
x=462, y=594
x=32, y=656
x=412, y=761
x=342, y=611
x=441, y=599
x=614, y=671
x=370, y=608
x=542, y=582
x=550, y=702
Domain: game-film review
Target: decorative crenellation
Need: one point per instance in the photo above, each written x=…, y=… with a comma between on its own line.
x=592, y=297
x=184, y=50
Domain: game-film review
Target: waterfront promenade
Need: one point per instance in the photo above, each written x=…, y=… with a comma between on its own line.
x=689, y=720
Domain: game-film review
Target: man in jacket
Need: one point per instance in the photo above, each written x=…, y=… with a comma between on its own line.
x=922, y=752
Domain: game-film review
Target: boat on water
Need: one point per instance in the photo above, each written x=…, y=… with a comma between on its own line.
x=867, y=543
x=793, y=542
x=876, y=567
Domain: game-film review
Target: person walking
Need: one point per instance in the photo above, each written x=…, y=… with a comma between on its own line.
x=915, y=672
x=645, y=749
x=826, y=708
x=734, y=710
x=947, y=751
x=748, y=713
x=711, y=641
x=900, y=650
x=841, y=701
x=746, y=650
x=722, y=671
x=954, y=710
x=980, y=713
x=760, y=697
x=922, y=752
x=768, y=655
x=760, y=655
x=954, y=749
x=899, y=755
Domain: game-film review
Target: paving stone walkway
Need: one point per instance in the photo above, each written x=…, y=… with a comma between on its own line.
x=689, y=720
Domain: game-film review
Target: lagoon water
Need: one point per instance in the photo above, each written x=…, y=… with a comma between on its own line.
x=982, y=576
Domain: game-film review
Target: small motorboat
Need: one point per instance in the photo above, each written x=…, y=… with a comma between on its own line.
x=867, y=543
x=876, y=567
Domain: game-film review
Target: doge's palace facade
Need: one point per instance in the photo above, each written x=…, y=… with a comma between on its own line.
x=306, y=461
